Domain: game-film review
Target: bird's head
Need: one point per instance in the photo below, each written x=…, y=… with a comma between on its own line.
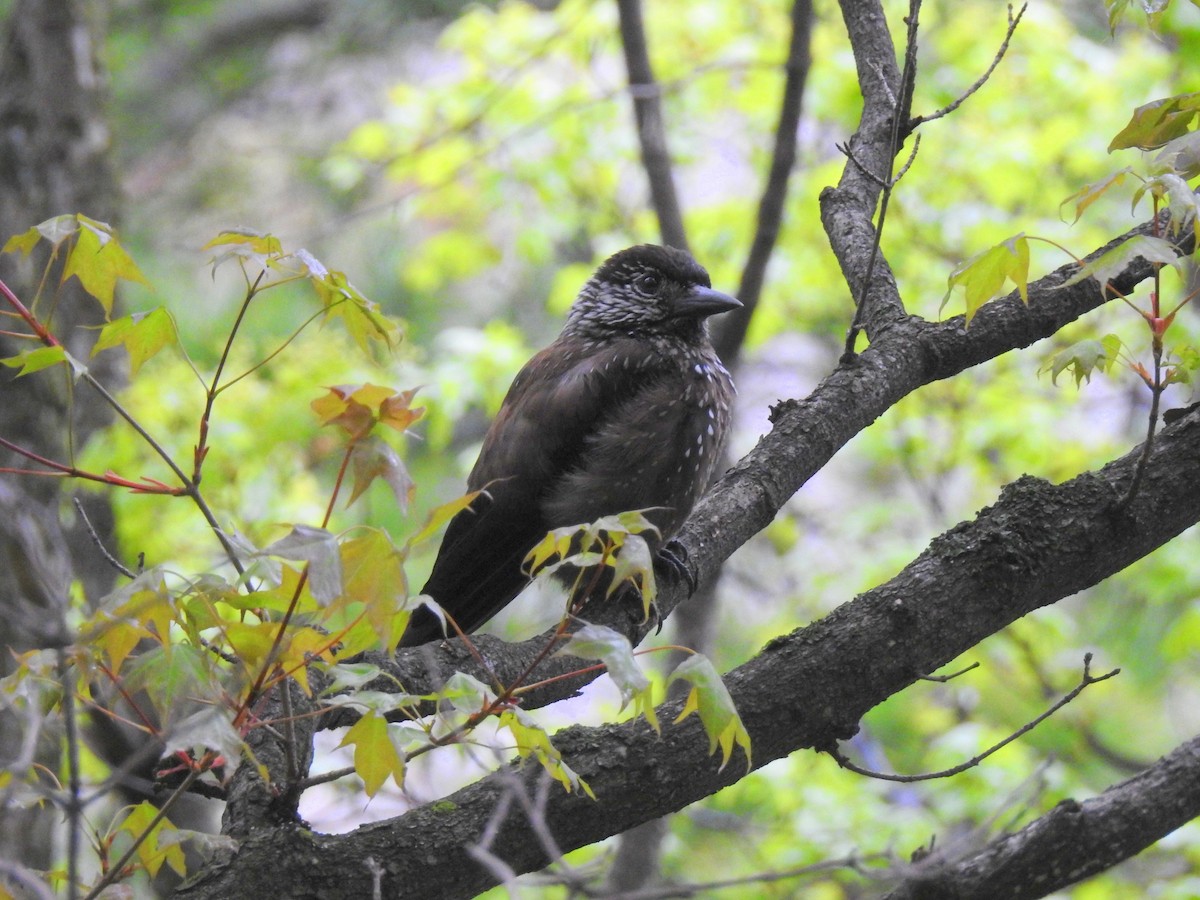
x=647, y=290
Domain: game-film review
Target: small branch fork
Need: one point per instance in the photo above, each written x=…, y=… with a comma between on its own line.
x=1013, y=21
x=902, y=126
x=1087, y=680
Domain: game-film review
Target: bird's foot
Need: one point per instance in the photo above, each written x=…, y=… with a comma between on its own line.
x=672, y=562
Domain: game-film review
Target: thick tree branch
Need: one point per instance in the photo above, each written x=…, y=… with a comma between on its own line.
x=1037, y=544
x=651, y=131
x=1071, y=842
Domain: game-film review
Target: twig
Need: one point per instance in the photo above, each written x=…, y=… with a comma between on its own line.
x=652, y=133
x=1088, y=679
x=946, y=110
x=1156, y=384
x=112, y=560
x=942, y=679
x=901, y=107
x=74, y=807
x=15, y=873
x=118, y=867
x=212, y=392
x=670, y=892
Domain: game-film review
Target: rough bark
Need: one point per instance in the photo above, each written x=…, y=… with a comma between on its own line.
x=54, y=149
x=1071, y=842
x=1037, y=544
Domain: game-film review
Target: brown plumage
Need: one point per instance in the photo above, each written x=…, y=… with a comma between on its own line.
x=628, y=409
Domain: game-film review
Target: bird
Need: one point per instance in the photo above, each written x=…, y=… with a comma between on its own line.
x=627, y=409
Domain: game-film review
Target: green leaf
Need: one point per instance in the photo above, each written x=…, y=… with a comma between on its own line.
x=360, y=316
x=1090, y=193
x=318, y=548
x=984, y=274
x=208, y=729
x=23, y=243
x=57, y=229
x=440, y=515
x=35, y=360
x=172, y=679
x=1116, y=11
x=710, y=698
x=376, y=756
x=1154, y=124
x=97, y=259
x=143, y=335
x=1180, y=157
x=150, y=853
x=373, y=573
x=350, y=675
x=532, y=740
x=1112, y=263
x=633, y=564
x=614, y=650
x=465, y=693
x=380, y=703
x=1084, y=358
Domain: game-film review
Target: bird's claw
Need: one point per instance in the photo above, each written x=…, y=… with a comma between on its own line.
x=673, y=557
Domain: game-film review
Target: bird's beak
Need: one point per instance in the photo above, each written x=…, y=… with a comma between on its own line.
x=702, y=301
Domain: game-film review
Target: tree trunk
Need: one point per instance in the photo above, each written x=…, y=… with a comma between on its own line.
x=54, y=158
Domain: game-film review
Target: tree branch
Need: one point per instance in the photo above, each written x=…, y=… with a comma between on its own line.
x=1071, y=842
x=848, y=210
x=652, y=133
x=806, y=435
x=1037, y=544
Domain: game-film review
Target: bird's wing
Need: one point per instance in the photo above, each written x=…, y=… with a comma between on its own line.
x=556, y=402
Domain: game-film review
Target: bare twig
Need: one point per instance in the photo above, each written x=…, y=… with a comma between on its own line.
x=669, y=892
x=652, y=133
x=900, y=113
x=942, y=679
x=1088, y=679
x=1013, y=21
x=112, y=560
x=73, y=806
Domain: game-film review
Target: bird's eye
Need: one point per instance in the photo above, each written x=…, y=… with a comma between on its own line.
x=648, y=285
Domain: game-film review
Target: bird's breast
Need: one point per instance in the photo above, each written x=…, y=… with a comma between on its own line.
x=655, y=449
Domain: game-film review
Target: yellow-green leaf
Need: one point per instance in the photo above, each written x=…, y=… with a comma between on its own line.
x=142, y=334
x=440, y=515
x=1113, y=262
x=983, y=275
x=97, y=259
x=711, y=699
x=614, y=650
x=140, y=820
x=376, y=755
x=1090, y=193
x=35, y=360
x=1154, y=124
